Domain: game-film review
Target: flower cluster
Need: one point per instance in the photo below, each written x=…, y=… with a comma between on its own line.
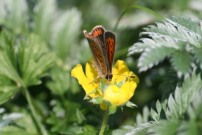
x=116, y=92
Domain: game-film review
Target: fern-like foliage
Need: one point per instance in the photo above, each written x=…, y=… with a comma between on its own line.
x=178, y=39
x=23, y=62
x=179, y=114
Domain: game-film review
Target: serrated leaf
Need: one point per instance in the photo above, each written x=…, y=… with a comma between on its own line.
x=139, y=119
x=131, y=104
x=195, y=108
x=140, y=129
x=188, y=23
x=182, y=34
x=7, y=92
x=188, y=128
x=20, y=126
x=8, y=70
x=173, y=108
x=66, y=31
x=164, y=127
x=60, y=80
x=152, y=56
x=198, y=56
x=177, y=106
x=44, y=15
x=175, y=31
x=140, y=46
x=145, y=114
x=34, y=59
x=14, y=14
x=181, y=61
x=154, y=115
x=178, y=97
x=158, y=106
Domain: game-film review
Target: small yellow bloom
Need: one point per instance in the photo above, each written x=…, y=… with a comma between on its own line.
x=91, y=88
x=117, y=92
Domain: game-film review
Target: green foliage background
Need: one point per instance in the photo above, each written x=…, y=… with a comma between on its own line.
x=41, y=41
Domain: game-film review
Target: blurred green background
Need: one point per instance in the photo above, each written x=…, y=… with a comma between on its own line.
x=50, y=32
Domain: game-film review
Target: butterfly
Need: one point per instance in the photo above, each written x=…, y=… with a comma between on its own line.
x=102, y=44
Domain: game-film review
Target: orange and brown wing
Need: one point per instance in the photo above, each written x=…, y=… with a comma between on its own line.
x=110, y=48
x=98, y=33
x=97, y=51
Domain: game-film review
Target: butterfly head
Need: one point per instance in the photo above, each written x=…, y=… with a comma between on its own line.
x=109, y=77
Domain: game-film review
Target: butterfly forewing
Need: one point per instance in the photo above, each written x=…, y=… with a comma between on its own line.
x=98, y=33
x=97, y=53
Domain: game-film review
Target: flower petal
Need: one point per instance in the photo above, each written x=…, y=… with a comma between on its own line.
x=91, y=74
x=89, y=87
x=119, y=96
x=121, y=72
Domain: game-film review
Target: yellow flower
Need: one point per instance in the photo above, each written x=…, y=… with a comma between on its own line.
x=117, y=92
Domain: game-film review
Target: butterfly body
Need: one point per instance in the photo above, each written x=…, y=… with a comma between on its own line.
x=102, y=44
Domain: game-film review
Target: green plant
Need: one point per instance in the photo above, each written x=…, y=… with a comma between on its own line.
x=41, y=41
x=179, y=40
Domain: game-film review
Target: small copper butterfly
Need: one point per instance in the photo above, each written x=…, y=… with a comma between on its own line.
x=102, y=44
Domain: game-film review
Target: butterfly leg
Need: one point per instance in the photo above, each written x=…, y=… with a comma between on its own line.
x=94, y=79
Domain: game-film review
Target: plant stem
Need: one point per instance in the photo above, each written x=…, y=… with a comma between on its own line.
x=104, y=122
x=34, y=114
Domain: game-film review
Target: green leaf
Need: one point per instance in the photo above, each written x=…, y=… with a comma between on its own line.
x=9, y=78
x=139, y=47
x=144, y=117
x=198, y=56
x=34, y=60
x=66, y=32
x=188, y=128
x=60, y=80
x=158, y=106
x=173, y=30
x=131, y=104
x=7, y=92
x=8, y=58
x=140, y=130
x=181, y=61
x=43, y=17
x=112, y=109
x=97, y=100
x=20, y=124
x=8, y=70
x=188, y=23
x=183, y=97
x=177, y=35
x=195, y=108
x=155, y=116
x=164, y=127
x=14, y=15
x=152, y=56
x=186, y=98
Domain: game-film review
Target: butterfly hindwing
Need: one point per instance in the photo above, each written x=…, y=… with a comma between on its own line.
x=110, y=48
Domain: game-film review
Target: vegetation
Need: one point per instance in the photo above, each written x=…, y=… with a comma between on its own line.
x=41, y=41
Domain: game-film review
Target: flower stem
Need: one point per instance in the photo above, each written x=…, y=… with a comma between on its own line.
x=34, y=114
x=104, y=122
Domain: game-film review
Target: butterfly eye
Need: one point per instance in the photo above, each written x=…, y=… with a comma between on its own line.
x=109, y=77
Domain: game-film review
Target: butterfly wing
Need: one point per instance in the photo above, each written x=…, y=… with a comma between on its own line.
x=98, y=33
x=110, y=48
x=96, y=41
